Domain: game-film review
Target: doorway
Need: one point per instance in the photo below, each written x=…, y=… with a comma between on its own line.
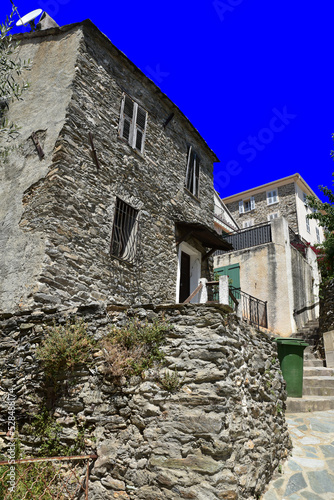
x=184, y=277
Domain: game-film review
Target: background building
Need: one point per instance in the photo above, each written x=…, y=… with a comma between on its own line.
x=282, y=198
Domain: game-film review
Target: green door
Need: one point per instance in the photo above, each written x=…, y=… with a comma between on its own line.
x=232, y=271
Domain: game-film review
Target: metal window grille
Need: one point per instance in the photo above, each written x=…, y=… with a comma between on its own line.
x=124, y=233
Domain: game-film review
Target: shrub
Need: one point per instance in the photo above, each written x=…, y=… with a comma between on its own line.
x=134, y=348
x=65, y=347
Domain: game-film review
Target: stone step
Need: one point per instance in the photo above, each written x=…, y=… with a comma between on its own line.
x=318, y=391
x=318, y=371
x=313, y=362
x=316, y=381
x=318, y=386
x=309, y=404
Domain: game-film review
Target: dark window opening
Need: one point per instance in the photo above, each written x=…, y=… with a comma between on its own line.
x=124, y=233
x=192, y=176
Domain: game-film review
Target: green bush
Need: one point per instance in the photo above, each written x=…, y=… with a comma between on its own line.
x=65, y=347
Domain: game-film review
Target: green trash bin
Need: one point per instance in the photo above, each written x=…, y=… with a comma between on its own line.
x=291, y=358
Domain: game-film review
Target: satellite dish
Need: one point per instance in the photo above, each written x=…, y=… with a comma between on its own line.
x=29, y=18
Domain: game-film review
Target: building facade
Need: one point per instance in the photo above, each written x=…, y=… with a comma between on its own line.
x=282, y=198
x=107, y=195
x=271, y=264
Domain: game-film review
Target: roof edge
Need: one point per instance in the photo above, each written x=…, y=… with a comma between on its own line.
x=284, y=180
x=89, y=25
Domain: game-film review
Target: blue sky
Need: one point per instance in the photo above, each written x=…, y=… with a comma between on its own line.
x=254, y=77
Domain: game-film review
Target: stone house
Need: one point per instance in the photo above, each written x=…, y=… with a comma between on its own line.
x=108, y=194
x=271, y=264
x=282, y=198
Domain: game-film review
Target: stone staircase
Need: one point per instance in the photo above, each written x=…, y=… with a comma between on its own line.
x=318, y=381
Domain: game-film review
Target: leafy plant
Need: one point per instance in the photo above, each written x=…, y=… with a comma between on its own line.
x=48, y=431
x=11, y=68
x=65, y=347
x=134, y=348
x=170, y=381
x=324, y=214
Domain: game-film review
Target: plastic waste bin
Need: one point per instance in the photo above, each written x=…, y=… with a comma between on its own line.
x=291, y=358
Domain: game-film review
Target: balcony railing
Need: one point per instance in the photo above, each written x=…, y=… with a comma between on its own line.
x=250, y=237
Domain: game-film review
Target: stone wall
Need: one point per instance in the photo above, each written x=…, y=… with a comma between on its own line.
x=219, y=436
x=286, y=207
x=326, y=319
x=58, y=217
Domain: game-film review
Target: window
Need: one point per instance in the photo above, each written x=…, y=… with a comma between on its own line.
x=272, y=197
x=133, y=123
x=272, y=216
x=308, y=229
x=192, y=175
x=124, y=232
x=305, y=198
x=318, y=234
x=248, y=223
x=247, y=205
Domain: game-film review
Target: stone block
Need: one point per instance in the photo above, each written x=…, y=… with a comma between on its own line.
x=329, y=348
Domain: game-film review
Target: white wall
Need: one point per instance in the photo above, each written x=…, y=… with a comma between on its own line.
x=302, y=211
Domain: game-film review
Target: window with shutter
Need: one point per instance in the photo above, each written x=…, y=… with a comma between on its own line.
x=308, y=229
x=275, y=215
x=192, y=175
x=247, y=205
x=272, y=197
x=133, y=123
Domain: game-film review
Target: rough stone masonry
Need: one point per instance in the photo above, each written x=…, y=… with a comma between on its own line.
x=221, y=435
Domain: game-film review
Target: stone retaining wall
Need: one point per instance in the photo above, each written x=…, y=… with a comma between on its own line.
x=219, y=436
x=326, y=320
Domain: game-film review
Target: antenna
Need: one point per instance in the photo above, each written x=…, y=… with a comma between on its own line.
x=29, y=19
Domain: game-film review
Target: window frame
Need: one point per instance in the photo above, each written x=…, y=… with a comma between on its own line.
x=251, y=201
x=134, y=126
x=123, y=244
x=270, y=218
x=192, y=179
x=272, y=195
x=247, y=224
x=308, y=225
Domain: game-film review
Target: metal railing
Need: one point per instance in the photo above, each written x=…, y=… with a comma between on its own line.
x=253, y=310
x=249, y=237
x=46, y=478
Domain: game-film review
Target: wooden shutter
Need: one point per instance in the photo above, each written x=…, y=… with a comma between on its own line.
x=252, y=200
x=241, y=207
x=141, y=120
x=188, y=173
x=126, y=118
x=196, y=176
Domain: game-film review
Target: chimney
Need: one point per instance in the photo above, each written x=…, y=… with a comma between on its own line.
x=46, y=22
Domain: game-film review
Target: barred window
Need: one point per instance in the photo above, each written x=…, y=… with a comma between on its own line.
x=124, y=232
x=192, y=175
x=133, y=121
